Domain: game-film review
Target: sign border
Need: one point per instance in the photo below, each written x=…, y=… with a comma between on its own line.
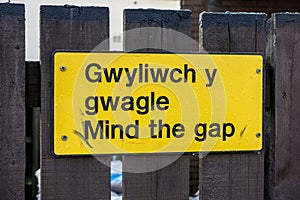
x=165, y=153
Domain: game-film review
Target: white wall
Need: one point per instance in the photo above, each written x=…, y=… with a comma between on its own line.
x=116, y=17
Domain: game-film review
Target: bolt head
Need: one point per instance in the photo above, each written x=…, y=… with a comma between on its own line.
x=63, y=68
x=258, y=70
x=64, y=138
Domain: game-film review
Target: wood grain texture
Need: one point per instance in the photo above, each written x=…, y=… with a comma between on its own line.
x=172, y=181
x=233, y=175
x=72, y=28
x=284, y=54
x=12, y=101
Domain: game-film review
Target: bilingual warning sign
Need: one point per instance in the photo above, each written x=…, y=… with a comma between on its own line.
x=129, y=103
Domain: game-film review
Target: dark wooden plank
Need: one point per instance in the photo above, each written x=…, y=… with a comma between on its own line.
x=233, y=175
x=173, y=180
x=177, y=31
x=142, y=32
x=218, y=25
x=73, y=28
x=285, y=61
x=169, y=180
x=12, y=101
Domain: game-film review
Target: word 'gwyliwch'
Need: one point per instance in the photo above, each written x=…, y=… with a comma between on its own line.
x=145, y=74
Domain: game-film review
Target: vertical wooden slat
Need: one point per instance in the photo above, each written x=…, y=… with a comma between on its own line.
x=170, y=182
x=233, y=175
x=73, y=28
x=285, y=61
x=180, y=22
x=12, y=101
x=141, y=38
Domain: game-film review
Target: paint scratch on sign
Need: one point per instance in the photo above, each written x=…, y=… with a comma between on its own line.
x=82, y=138
x=243, y=131
x=81, y=112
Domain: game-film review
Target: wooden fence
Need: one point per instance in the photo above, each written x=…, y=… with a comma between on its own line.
x=269, y=174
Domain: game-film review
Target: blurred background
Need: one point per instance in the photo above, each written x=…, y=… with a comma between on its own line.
x=116, y=8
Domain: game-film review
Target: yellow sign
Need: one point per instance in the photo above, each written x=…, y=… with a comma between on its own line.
x=125, y=103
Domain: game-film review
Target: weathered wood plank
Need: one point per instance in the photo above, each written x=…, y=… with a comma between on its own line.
x=233, y=175
x=171, y=181
x=285, y=60
x=12, y=101
x=73, y=28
